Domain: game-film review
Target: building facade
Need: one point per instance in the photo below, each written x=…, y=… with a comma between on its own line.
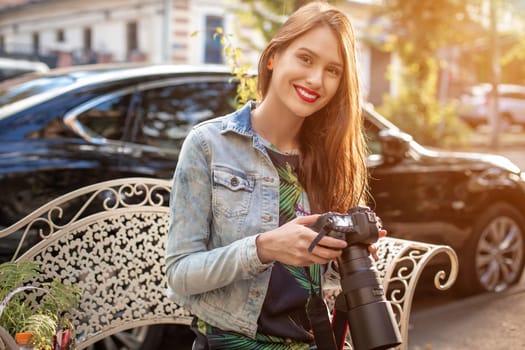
x=71, y=32
x=155, y=31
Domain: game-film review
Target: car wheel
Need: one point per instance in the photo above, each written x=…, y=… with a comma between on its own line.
x=493, y=258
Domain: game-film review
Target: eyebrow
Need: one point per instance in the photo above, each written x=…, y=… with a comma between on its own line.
x=317, y=56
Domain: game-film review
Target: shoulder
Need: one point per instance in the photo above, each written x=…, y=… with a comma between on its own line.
x=216, y=123
x=237, y=121
x=209, y=132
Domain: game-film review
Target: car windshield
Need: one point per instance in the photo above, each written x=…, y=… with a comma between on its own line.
x=13, y=90
x=31, y=87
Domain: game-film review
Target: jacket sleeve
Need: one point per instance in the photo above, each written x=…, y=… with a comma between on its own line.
x=192, y=267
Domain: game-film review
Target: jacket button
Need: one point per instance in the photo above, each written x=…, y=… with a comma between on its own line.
x=266, y=218
x=234, y=181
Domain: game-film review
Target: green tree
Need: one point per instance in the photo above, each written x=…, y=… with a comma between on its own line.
x=265, y=17
x=419, y=30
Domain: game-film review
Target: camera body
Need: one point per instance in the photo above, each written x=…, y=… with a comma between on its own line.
x=359, y=226
x=370, y=317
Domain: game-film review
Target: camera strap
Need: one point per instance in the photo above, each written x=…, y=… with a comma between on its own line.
x=322, y=232
x=340, y=320
x=328, y=336
x=317, y=313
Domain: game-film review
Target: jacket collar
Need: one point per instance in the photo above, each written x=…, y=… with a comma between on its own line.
x=240, y=120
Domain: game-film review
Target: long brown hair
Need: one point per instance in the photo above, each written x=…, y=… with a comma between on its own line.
x=332, y=168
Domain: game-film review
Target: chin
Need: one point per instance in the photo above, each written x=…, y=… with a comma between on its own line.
x=305, y=110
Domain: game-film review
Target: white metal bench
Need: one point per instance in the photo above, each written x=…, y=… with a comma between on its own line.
x=113, y=248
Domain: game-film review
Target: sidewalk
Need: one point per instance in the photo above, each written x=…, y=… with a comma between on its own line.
x=482, y=322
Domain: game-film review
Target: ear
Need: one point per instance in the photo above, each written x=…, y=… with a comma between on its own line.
x=272, y=61
x=269, y=64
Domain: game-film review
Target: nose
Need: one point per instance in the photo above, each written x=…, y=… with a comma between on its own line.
x=315, y=77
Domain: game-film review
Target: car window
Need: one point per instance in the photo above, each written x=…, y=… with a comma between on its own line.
x=108, y=118
x=169, y=112
x=10, y=93
x=55, y=129
x=16, y=89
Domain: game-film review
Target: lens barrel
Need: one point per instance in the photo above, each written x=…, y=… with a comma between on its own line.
x=370, y=317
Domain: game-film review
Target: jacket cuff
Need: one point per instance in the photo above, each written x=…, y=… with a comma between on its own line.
x=255, y=266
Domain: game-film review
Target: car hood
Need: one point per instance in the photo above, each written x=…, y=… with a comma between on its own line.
x=473, y=160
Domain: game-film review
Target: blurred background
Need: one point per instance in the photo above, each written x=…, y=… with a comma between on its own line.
x=421, y=61
x=450, y=73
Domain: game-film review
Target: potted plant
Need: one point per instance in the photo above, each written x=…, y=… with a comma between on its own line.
x=46, y=321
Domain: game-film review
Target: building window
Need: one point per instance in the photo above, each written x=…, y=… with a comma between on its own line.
x=213, y=48
x=132, y=37
x=36, y=43
x=87, y=39
x=60, y=36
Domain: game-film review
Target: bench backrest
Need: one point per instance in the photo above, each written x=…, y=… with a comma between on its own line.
x=109, y=240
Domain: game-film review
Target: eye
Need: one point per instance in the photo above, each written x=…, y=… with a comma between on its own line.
x=306, y=59
x=334, y=71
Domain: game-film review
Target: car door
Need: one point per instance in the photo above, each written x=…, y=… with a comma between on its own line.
x=105, y=123
x=417, y=197
x=166, y=113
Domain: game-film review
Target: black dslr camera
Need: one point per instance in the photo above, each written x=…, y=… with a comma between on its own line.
x=370, y=318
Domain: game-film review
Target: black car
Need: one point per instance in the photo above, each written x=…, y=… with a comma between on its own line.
x=70, y=128
x=77, y=126
x=471, y=201
x=74, y=127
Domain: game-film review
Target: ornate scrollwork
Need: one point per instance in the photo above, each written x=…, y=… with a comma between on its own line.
x=107, y=196
x=112, y=246
x=109, y=239
x=401, y=264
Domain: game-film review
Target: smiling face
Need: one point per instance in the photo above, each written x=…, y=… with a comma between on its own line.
x=307, y=73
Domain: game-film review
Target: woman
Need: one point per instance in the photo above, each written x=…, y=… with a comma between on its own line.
x=246, y=186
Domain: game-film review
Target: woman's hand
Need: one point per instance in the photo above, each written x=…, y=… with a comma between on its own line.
x=289, y=244
x=372, y=248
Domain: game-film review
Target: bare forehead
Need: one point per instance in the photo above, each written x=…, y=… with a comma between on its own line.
x=321, y=42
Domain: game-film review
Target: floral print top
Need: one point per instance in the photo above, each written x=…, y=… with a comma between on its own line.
x=283, y=323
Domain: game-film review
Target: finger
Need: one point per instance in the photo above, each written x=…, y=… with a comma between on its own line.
x=307, y=220
x=326, y=253
x=382, y=233
x=372, y=249
x=332, y=243
x=375, y=256
x=315, y=259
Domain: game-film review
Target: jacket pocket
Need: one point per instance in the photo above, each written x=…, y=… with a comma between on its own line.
x=232, y=191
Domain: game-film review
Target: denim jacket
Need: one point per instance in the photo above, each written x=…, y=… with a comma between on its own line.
x=225, y=191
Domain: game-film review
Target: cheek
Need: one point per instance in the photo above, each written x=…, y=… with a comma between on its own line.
x=332, y=85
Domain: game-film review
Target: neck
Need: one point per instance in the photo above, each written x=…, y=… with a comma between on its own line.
x=276, y=127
